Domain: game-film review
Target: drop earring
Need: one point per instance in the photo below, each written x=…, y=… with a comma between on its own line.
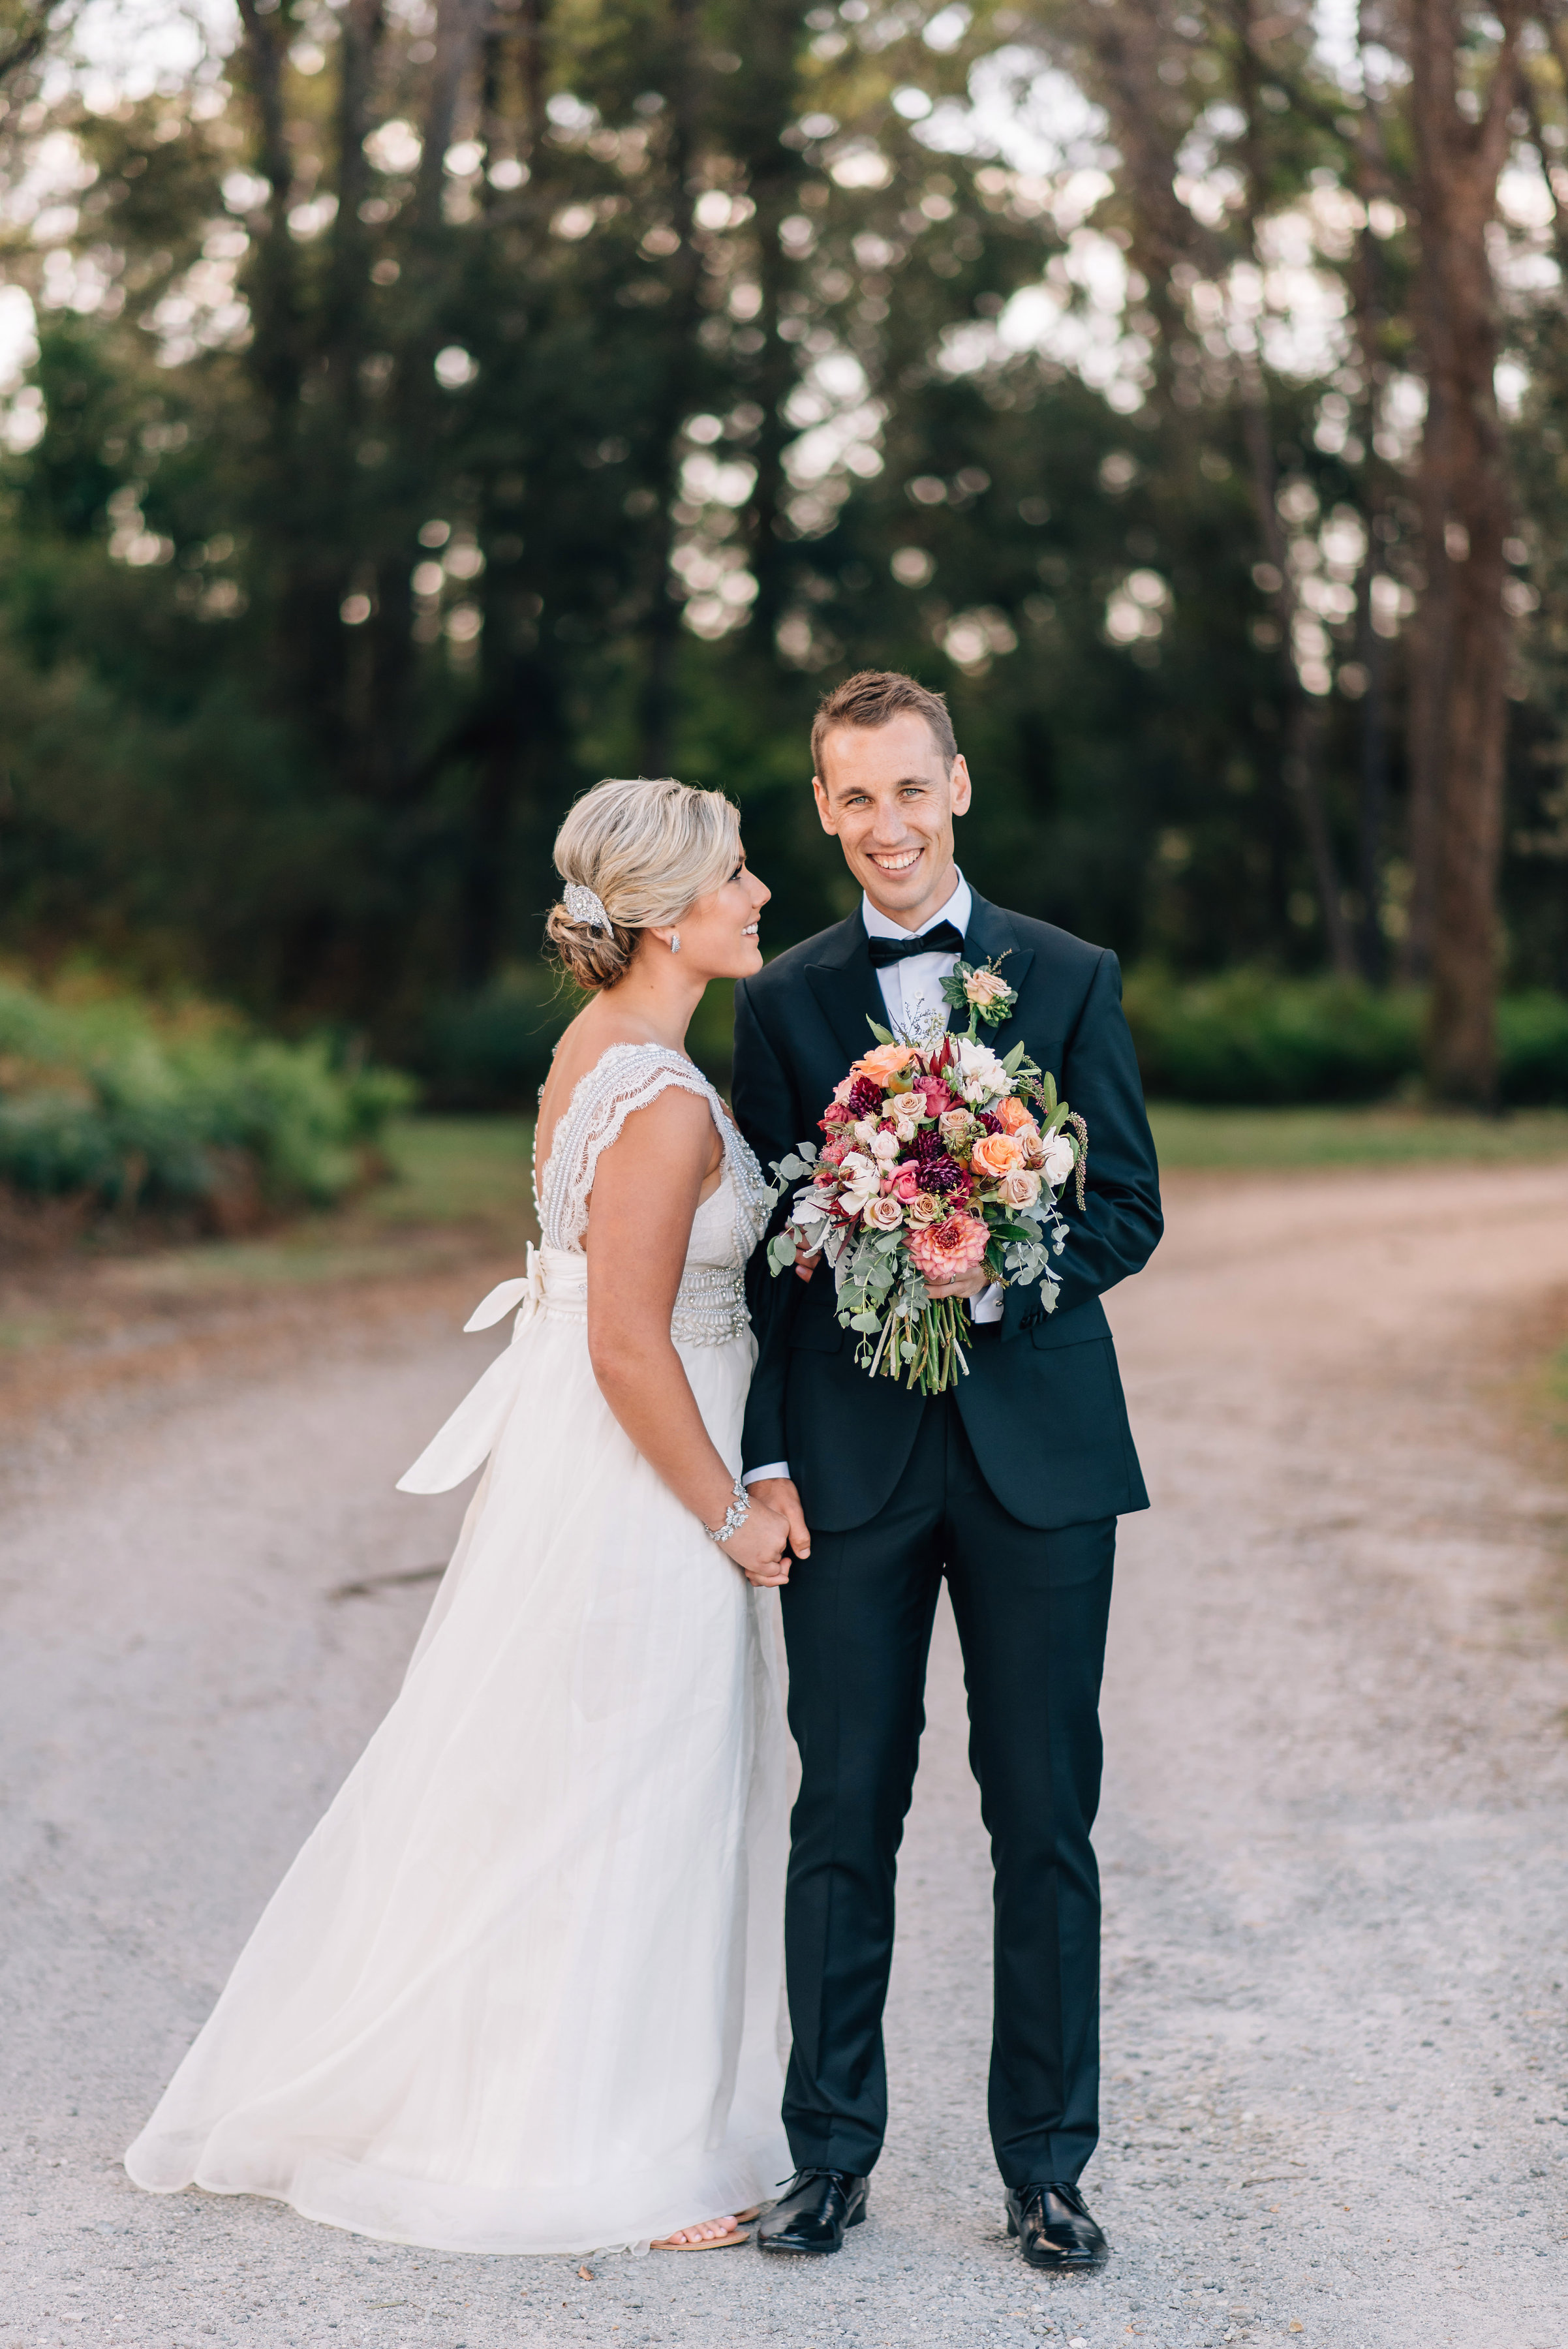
x=675, y=942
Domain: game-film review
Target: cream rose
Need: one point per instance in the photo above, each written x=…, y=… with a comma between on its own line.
x=955, y=1126
x=1060, y=1158
x=1021, y=1188
x=885, y=1146
x=924, y=1208
x=983, y=986
x=884, y=1214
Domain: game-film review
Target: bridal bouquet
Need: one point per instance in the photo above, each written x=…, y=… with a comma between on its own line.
x=939, y=1157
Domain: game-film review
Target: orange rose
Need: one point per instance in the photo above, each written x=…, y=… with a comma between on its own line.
x=996, y=1155
x=1013, y=1115
x=883, y=1062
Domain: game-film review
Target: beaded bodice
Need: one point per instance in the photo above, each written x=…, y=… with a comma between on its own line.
x=711, y=1305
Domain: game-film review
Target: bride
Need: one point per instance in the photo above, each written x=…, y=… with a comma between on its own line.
x=520, y=1991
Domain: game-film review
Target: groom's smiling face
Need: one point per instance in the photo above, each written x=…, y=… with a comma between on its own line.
x=888, y=798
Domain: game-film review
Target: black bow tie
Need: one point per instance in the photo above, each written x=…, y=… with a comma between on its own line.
x=946, y=939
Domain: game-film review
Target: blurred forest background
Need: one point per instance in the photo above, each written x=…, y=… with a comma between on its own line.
x=419, y=408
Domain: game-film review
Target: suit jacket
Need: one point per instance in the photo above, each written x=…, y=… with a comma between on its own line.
x=1043, y=1402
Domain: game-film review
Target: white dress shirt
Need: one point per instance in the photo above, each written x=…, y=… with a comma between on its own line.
x=911, y=990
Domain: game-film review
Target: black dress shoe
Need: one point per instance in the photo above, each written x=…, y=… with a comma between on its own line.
x=812, y=2212
x=1054, y=2230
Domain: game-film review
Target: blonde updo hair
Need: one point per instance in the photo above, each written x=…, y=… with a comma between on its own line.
x=647, y=851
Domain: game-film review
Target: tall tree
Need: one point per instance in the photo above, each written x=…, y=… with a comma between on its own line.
x=1464, y=87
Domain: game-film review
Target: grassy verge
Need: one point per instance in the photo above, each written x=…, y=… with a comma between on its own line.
x=458, y=1198
x=459, y=1186
x=1258, y=1141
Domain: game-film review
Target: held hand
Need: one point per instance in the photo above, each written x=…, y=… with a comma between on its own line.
x=805, y=1266
x=966, y=1284
x=778, y=1493
x=758, y=1546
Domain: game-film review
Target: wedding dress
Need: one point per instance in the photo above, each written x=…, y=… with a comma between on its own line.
x=520, y=1992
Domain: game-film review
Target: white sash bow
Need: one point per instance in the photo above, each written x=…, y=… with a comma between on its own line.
x=470, y=1435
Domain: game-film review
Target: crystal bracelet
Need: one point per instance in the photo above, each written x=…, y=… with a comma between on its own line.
x=740, y=1510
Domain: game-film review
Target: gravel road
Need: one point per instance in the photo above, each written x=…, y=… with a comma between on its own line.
x=1335, y=1836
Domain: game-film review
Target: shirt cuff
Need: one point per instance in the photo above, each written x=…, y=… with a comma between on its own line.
x=774, y=1468
x=988, y=1305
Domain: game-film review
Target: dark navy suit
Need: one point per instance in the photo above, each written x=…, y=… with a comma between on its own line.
x=1010, y=1488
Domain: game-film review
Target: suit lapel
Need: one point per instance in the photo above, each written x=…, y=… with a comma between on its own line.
x=988, y=937
x=845, y=985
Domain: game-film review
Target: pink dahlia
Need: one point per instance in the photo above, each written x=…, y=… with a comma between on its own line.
x=946, y=1250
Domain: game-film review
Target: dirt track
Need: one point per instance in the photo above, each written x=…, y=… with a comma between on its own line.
x=1335, y=1837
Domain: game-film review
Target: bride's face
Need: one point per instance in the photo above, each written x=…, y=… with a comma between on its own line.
x=719, y=932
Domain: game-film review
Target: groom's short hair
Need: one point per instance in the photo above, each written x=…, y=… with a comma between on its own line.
x=870, y=699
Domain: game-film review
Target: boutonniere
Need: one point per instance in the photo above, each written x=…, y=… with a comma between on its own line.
x=984, y=994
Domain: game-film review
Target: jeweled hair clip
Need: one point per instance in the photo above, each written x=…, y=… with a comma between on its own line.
x=584, y=906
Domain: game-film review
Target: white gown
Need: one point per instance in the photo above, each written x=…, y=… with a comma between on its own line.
x=520, y=1992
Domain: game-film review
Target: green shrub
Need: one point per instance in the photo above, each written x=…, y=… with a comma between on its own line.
x=1246, y=1037
x=134, y=1106
x=491, y=1051
x=1533, y=1050
x=1250, y=1038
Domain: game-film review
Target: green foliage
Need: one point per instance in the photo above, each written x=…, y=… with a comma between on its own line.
x=1252, y=1037
x=492, y=1050
x=1533, y=1048
x=139, y=1107
x=345, y=538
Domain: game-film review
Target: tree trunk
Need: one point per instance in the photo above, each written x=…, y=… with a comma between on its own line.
x=670, y=405
x=1466, y=511
x=1302, y=765
x=774, y=185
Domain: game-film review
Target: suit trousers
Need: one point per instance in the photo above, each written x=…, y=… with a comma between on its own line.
x=1031, y=1608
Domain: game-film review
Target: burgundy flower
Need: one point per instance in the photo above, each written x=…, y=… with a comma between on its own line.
x=942, y=1175
x=864, y=1099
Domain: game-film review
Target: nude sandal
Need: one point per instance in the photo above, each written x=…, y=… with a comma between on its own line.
x=713, y=2242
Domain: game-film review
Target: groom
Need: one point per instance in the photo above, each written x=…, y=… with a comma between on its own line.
x=1010, y=1486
